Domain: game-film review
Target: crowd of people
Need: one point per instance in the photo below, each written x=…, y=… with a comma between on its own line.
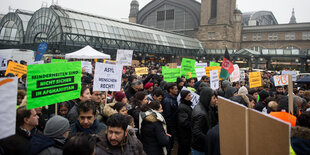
x=145, y=117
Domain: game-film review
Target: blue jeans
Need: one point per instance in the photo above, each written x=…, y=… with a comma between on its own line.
x=195, y=152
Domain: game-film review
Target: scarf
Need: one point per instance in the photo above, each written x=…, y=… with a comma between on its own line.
x=90, y=130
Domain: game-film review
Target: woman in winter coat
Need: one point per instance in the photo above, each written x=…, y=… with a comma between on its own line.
x=204, y=117
x=184, y=114
x=153, y=131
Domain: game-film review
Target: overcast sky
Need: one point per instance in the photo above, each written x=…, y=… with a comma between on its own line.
x=119, y=9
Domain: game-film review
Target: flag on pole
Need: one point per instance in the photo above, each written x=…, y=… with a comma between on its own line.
x=227, y=66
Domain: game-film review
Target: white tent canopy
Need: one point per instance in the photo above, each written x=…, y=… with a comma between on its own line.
x=87, y=53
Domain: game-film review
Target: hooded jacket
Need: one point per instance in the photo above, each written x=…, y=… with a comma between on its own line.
x=230, y=92
x=40, y=144
x=184, y=117
x=204, y=117
x=300, y=140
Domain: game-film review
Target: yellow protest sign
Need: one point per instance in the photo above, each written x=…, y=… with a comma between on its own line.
x=208, y=69
x=255, y=79
x=141, y=71
x=17, y=69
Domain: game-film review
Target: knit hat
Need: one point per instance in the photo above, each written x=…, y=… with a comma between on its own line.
x=119, y=96
x=184, y=93
x=225, y=83
x=148, y=85
x=56, y=127
x=243, y=90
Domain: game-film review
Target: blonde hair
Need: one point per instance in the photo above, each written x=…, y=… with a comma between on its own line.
x=273, y=105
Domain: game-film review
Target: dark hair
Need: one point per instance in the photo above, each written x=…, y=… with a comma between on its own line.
x=250, y=97
x=117, y=120
x=80, y=143
x=136, y=100
x=190, y=79
x=118, y=106
x=22, y=113
x=83, y=90
x=304, y=119
x=252, y=91
x=204, y=77
x=152, y=105
x=129, y=119
x=170, y=86
x=157, y=92
x=87, y=106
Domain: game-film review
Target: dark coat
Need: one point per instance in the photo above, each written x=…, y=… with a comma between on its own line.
x=184, y=117
x=300, y=140
x=203, y=118
x=130, y=92
x=94, y=129
x=40, y=144
x=170, y=107
x=153, y=136
x=130, y=146
x=260, y=106
x=212, y=146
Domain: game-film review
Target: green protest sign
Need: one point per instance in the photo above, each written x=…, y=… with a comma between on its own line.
x=171, y=74
x=188, y=68
x=214, y=64
x=53, y=83
x=58, y=60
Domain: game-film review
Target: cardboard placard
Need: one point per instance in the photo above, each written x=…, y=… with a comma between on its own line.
x=214, y=64
x=235, y=75
x=293, y=73
x=17, y=69
x=195, y=98
x=8, y=96
x=242, y=75
x=141, y=70
x=202, y=65
x=208, y=69
x=53, y=83
x=255, y=79
x=188, y=66
x=108, y=77
x=214, y=79
x=135, y=63
x=124, y=57
x=281, y=80
x=87, y=66
x=172, y=65
x=171, y=74
x=3, y=62
x=200, y=72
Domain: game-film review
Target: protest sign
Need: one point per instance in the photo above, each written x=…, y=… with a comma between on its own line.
x=109, y=61
x=17, y=69
x=53, y=83
x=41, y=50
x=108, y=77
x=171, y=74
x=8, y=96
x=280, y=80
x=201, y=65
x=255, y=79
x=242, y=76
x=124, y=57
x=235, y=75
x=59, y=60
x=35, y=62
x=87, y=66
x=3, y=62
x=208, y=69
x=214, y=79
x=188, y=65
x=172, y=65
x=293, y=73
x=214, y=64
x=135, y=63
x=200, y=72
x=195, y=97
x=141, y=70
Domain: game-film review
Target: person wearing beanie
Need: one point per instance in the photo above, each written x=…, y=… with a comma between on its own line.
x=184, y=114
x=120, y=97
x=149, y=88
x=262, y=101
x=243, y=90
x=55, y=133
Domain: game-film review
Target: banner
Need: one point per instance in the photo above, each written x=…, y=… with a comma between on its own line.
x=59, y=60
x=41, y=50
x=141, y=70
x=293, y=73
x=242, y=76
x=208, y=69
x=188, y=66
x=3, y=62
x=281, y=80
x=195, y=97
x=214, y=64
x=201, y=65
x=124, y=57
x=108, y=77
x=53, y=83
x=200, y=72
x=214, y=79
x=8, y=96
x=171, y=74
x=255, y=79
x=17, y=69
x=235, y=75
x=87, y=66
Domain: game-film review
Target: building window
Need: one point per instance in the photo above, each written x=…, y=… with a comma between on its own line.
x=211, y=35
x=273, y=36
x=270, y=36
x=169, y=14
x=257, y=37
x=290, y=36
x=160, y=15
x=305, y=35
x=244, y=37
x=257, y=48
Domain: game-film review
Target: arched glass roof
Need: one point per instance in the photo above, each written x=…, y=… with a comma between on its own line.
x=261, y=18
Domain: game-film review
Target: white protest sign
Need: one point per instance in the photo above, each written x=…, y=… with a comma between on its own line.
x=201, y=65
x=195, y=97
x=124, y=57
x=3, y=62
x=281, y=80
x=87, y=65
x=8, y=96
x=235, y=75
x=242, y=76
x=293, y=73
x=214, y=79
x=200, y=72
x=35, y=62
x=108, y=77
